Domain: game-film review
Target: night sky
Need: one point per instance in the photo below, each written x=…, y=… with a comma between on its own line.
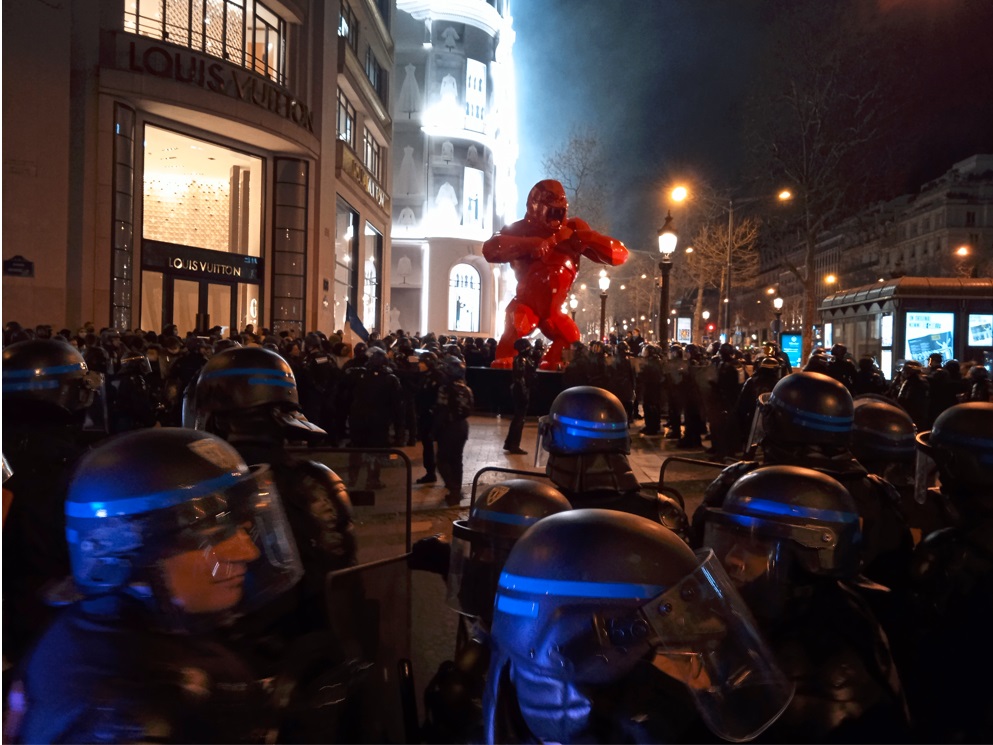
x=665, y=85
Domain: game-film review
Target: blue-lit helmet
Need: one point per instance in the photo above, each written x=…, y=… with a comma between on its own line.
x=587, y=595
x=48, y=371
x=961, y=444
x=480, y=545
x=809, y=408
x=882, y=431
x=585, y=419
x=780, y=518
x=174, y=520
x=248, y=383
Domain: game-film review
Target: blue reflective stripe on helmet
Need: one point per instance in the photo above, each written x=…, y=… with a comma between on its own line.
x=38, y=372
x=272, y=381
x=597, y=435
x=568, y=588
x=32, y=385
x=514, y=607
x=150, y=502
x=962, y=440
x=271, y=377
x=823, y=422
x=769, y=507
x=589, y=424
x=504, y=517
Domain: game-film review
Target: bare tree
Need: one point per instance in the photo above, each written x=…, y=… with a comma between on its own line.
x=706, y=266
x=581, y=167
x=815, y=125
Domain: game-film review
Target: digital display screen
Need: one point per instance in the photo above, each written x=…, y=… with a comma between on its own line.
x=928, y=333
x=980, y=329
x=886, y=330
x=684, y=330
x=792, y=346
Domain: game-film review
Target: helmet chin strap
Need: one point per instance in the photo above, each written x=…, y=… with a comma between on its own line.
x=591, y=472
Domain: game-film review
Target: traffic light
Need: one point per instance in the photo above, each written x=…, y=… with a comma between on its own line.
x=710, y=328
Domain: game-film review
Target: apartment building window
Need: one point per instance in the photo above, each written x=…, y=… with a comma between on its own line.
x=376, y=74
x=372, y=156
x=243, y=32
x=383, y=6
x=346, y=120
x=348, y=26
x=970, y=219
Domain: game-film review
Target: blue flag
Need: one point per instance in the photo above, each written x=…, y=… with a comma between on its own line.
x=354, y=324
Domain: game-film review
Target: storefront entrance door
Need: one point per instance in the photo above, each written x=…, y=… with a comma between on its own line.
x=199, y=305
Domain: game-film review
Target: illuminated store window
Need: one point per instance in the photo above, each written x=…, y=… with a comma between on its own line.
x=346, y=251
x=200, y=194
x=463, y=298
x=243, y=32
x=371, y=297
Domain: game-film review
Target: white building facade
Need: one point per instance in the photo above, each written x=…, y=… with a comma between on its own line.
x=455, y=150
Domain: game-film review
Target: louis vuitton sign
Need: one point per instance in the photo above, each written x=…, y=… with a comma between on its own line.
x=185, y=66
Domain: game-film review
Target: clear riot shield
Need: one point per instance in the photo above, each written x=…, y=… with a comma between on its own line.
x=685, y=480
x=395, y=630
x=757, y=431
x=379, y=484
x=486, y=477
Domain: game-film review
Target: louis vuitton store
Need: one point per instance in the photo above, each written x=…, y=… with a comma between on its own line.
x=168, y=165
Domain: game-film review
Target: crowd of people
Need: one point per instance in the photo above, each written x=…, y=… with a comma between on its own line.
x=832, y=586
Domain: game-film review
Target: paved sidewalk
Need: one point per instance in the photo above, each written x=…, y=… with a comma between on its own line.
x=485, y=448
x=381, y=530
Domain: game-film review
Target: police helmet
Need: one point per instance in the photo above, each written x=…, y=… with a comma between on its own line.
x=249, y=382
x=522, y=345
x=481, y=544
x=49, y=371
x=192, y=533
x=882, y=431
x=809, y=408
x=585, y=419
x=961, y=443
x=585, y=595
x=776, y=518
x=453, y=368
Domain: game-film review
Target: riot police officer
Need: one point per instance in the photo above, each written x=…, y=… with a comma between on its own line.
x=952, y=585
x=789, y=540
x=479, y=548
x=523, y=374
x=608, y=628
x=162, y=554
x=585, y=436
x=47, y=389
x=807, y=421
x=248, y=396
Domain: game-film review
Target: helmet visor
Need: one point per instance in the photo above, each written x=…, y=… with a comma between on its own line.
x=542, y=441
x=709, y=641
x=230, y=551
x=757, y=431
x=474, y=570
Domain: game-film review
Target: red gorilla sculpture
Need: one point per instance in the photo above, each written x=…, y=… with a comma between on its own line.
x=544, y=250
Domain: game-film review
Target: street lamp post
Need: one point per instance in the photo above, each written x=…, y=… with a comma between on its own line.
x=604, y=286
x=777, y=303
x=667, y=245
x=573, y=304
x=706, y=317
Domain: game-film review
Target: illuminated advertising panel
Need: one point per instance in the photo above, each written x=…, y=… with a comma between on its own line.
x=928, y=333
x=886, y=330
x=980, y=329
x=791, y=346
x=684, y=333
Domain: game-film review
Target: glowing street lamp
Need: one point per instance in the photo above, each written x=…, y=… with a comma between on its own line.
x=777, y=303
x=604, y=286
x=667, y=246
x=573, y=304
